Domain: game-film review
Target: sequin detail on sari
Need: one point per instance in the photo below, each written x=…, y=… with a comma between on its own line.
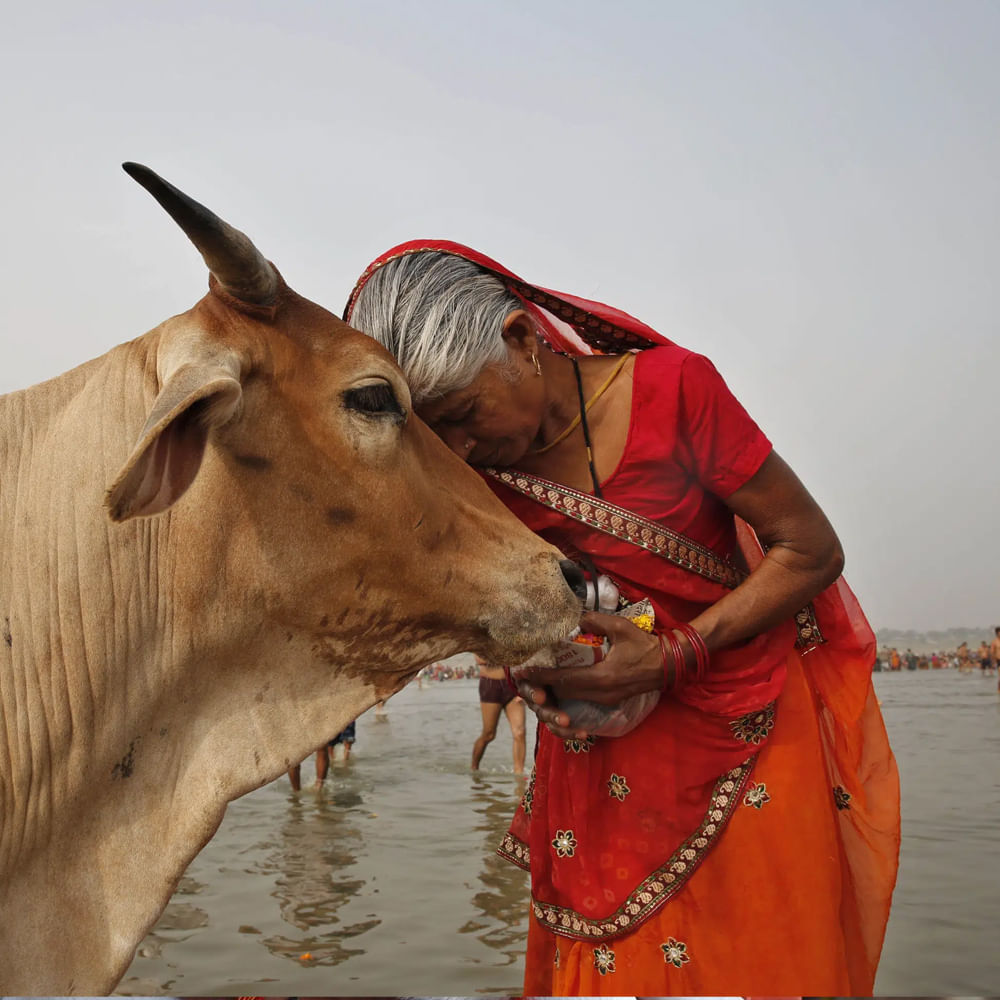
x=754, y=727
x=675, y=953
x=756, y=795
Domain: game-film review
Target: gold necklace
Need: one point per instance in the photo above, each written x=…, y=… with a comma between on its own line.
x=572, y=426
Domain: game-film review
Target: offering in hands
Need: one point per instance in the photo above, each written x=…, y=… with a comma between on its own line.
x=584, y=650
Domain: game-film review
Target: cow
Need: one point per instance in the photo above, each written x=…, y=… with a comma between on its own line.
x=219, y=544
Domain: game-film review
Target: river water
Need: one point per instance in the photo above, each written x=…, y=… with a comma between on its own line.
x=385, y=882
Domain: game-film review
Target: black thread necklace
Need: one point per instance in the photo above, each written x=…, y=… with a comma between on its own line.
x=586, y=430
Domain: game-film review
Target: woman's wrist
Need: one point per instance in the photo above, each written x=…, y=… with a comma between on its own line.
x=684, y=657
x=695, y=651
x=649, y=676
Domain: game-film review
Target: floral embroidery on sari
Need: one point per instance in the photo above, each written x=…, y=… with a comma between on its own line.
x=841, y=798
x=675, y=953
x=754, y=727
x=756, y=795
x=565, y=843
x=618, y=787
x=579, y=746
x=604, y=959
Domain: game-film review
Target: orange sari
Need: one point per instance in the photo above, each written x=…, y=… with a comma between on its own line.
x=795, y=896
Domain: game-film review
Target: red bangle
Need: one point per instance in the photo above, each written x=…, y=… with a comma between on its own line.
x=700, y=649
x=667, y=679
x=680, y=667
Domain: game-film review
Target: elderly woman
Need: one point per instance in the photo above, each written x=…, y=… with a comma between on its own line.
x=744, y=837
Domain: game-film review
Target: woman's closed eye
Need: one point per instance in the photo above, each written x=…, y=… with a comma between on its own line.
x=463, y=415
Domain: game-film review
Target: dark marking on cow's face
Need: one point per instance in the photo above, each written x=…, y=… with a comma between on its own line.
x=288, y=637
x=340, y=515
x=163, y=731
x=361, y=580
x=448, y=576
x=125, y=767
x=300, y=491
x=256, y=462
x=7, y=637
x=324, y=621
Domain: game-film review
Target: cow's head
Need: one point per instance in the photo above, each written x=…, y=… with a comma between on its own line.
x=284, y=445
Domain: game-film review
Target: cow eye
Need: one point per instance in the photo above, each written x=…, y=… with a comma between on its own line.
x=376, y=399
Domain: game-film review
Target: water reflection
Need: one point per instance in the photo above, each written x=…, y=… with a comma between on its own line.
x=315, y=861
x=503, y=898
x=178, y=922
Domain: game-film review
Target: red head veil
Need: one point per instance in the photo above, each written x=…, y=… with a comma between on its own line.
x=567, y=323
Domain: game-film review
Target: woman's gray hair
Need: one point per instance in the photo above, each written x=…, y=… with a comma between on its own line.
x=440, y=315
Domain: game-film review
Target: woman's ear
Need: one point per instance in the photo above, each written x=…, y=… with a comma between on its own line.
x=519, y=333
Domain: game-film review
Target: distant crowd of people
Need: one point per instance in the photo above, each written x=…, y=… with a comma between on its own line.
x=985, y=658
x=447, y=672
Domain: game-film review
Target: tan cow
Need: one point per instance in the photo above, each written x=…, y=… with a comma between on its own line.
x=286, y=545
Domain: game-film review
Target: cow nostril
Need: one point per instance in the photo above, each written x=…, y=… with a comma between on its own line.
x=573, y=575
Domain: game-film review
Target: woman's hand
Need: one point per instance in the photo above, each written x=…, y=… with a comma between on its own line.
x=633, y=666
x=544, y=705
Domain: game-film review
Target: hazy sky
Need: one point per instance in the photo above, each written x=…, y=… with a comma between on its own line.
x=809, y=193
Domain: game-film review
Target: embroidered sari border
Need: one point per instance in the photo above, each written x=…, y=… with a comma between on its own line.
x=808, y=628
x=617, y=521
x=602, y=334
x=654, y=890
x=671, y=545
x=515, y=851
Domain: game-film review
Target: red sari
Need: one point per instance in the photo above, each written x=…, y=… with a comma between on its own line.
x=744, y=838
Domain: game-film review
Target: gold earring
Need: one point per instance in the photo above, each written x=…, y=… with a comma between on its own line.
x=538, y=367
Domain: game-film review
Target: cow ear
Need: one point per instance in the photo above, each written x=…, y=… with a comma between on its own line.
x=168, y=454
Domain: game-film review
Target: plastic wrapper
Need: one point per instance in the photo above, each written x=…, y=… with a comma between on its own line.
x=583, y=650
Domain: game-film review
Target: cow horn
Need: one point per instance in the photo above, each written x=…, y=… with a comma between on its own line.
x=236, y=263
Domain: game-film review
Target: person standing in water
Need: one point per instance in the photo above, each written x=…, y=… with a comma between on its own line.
x=496, y=696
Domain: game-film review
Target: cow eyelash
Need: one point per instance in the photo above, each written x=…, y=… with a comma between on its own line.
x=375, y=400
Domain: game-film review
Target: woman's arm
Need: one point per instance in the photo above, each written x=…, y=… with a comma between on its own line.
x=803, y=557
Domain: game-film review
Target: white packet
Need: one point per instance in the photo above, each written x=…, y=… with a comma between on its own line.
x=599, y=720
